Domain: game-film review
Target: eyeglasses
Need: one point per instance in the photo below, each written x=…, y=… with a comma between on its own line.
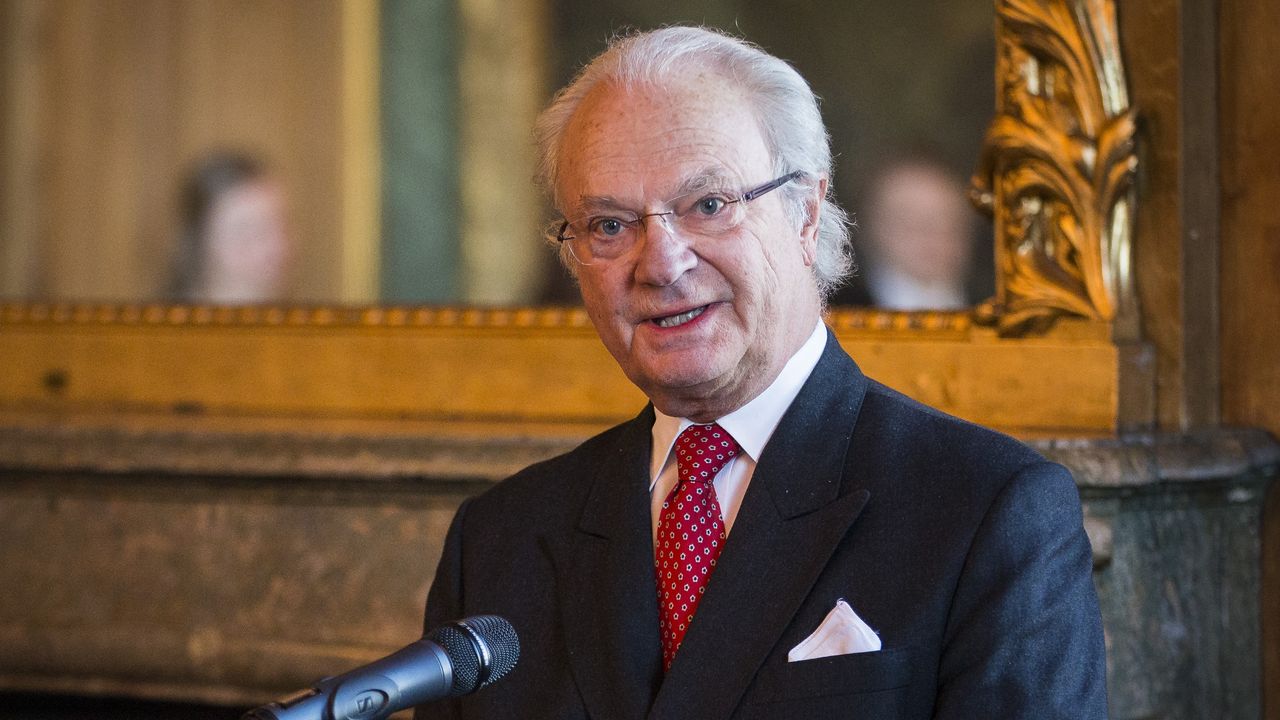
x=702, y=213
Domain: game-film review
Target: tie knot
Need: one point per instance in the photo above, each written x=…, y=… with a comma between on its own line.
x=702, y=450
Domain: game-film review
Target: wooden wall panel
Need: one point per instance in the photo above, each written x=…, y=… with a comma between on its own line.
x=105, y=76
x=501, y=66
x=1250, y=104
x=17, y=158
x=1250, y=267
x=114, y=99
x=1148, y=34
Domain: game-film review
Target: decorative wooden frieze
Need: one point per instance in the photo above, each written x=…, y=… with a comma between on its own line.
x=572, y=318
x=1057, y=167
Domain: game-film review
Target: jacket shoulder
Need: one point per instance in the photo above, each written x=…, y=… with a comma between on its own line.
x=904, y=433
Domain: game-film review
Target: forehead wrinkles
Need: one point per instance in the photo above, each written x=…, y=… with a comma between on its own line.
x=635, y=178
x=640, y=145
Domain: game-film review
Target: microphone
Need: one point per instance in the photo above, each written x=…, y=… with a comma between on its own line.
x=453, y=660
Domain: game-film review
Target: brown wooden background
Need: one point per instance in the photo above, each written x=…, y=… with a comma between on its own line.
x=1249, y=101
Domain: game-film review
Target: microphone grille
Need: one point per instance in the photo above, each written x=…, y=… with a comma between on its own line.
x=465, y=641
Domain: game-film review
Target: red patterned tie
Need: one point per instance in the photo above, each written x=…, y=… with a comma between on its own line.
x=690, y=531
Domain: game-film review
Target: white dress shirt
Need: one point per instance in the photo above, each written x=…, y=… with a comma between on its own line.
x=893, y=290
x=751, y=425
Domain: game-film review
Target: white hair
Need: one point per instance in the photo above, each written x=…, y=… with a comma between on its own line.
x=782, y=101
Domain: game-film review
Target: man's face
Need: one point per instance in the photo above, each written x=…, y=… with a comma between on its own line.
x=700, y=324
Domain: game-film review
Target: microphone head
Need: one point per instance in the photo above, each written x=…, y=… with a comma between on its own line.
x=482, y=649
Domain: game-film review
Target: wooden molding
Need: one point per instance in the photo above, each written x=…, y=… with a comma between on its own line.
x=175, y=315
x=524, y=365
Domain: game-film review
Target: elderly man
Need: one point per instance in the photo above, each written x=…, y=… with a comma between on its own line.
x=775, y=535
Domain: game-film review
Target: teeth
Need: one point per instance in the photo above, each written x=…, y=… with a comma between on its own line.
x=680, y=319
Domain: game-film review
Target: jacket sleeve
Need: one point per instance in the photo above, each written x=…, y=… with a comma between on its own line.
x=444, y=604
x=1024, y=635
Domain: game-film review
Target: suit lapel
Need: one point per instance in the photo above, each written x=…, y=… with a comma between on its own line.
x=795, y=513
x=608, y=594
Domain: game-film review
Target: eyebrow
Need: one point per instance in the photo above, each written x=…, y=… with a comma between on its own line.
x=708, y=177
x=589, y=203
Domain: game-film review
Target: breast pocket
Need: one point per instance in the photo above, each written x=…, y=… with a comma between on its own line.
x=858, y=673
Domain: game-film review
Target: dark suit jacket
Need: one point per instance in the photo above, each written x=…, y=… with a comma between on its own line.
x=961, y=547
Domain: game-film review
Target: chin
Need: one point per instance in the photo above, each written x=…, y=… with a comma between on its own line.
x=674, y=376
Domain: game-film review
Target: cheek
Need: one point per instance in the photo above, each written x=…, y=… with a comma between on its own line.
x=773, y=267
x=603, y=302
x=592, y=293
x=772, y=275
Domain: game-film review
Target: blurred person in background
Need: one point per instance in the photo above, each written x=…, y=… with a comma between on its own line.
x=234, y=246
x=918, y=239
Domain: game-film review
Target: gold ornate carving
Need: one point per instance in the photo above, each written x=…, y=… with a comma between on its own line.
x=1057, y=167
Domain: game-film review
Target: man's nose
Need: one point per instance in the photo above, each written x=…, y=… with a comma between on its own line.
x=664, y=254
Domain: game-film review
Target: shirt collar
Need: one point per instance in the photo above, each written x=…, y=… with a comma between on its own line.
x=752, y=424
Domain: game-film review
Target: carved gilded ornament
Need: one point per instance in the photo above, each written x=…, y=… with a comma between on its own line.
x=1058, y=166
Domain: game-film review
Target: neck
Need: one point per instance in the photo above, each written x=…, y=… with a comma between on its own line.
x=704, y=410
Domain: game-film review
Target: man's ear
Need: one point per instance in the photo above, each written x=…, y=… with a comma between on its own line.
x=812, y=214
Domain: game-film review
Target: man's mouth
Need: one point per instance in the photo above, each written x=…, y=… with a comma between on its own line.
x=671, y=321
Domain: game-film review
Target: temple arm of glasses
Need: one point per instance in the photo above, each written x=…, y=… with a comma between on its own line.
x=754, y=193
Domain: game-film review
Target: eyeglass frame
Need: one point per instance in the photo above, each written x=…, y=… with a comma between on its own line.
x=744, y=198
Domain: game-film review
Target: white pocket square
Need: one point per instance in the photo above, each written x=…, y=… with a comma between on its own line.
x=842, y=632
